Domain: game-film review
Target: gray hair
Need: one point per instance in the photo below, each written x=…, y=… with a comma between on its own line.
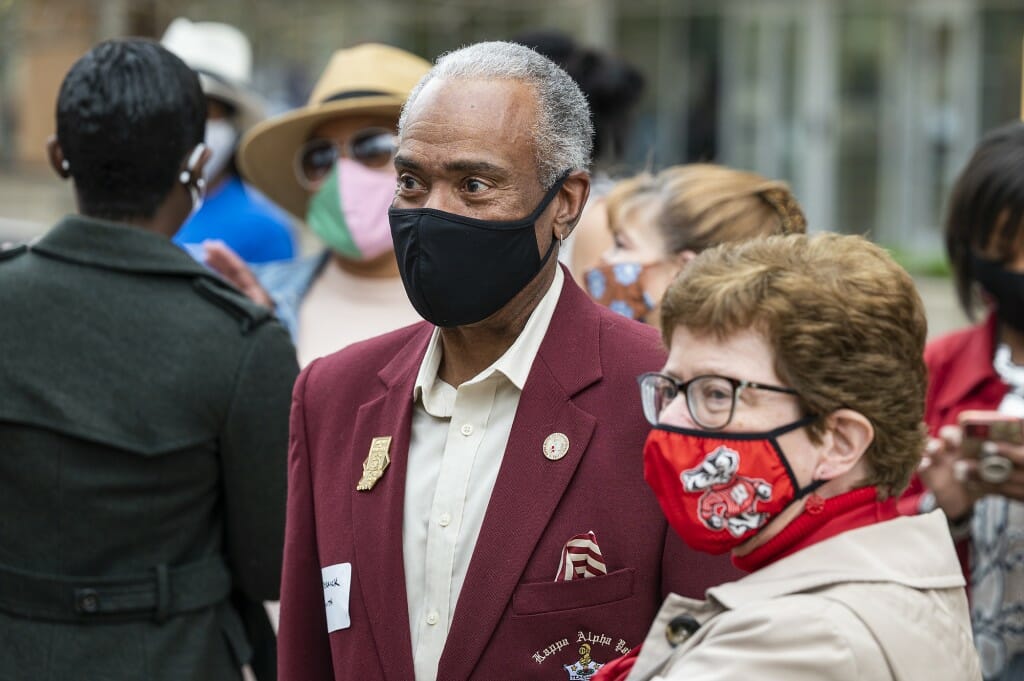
x=563, y=132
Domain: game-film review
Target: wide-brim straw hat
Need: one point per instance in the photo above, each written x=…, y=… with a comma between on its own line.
x=365, y=80
x=221, y=56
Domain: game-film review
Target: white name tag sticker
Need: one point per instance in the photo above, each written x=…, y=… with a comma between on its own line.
x=337, y=580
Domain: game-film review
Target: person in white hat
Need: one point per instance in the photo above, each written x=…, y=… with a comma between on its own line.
x=233, y=212
x=330, y=164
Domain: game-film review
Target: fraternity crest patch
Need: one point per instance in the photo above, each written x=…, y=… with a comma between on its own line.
x=585, y=667
x=729, y=501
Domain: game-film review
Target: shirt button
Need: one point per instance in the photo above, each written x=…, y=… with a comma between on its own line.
x=444, y=520
x=466, y=430
x=432, y=618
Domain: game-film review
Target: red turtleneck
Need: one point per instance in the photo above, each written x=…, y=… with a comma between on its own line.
x=821, y=519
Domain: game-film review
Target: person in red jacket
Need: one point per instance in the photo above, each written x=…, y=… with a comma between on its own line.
x=982, y=367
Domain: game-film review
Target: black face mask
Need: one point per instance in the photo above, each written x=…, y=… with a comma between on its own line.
x=459, y=270
x=1007, y=288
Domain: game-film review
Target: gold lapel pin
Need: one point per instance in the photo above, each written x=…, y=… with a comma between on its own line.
x=556, y=446
x=376, y=462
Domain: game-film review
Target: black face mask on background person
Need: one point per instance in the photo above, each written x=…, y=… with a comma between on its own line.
x=459, y=270
x=1005, y=287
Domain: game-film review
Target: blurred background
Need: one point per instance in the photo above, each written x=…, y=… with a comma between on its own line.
x=868, y=108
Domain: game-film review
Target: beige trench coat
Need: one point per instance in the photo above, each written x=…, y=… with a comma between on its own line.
x=880, y=602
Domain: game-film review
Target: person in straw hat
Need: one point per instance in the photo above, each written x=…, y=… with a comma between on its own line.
x=330, y=164
x=233, y=212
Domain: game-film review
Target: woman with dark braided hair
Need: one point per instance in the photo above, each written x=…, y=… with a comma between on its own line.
x=661, y=222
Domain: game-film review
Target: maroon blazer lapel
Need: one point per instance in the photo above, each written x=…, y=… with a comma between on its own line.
x=377, y=513
x=529, y=485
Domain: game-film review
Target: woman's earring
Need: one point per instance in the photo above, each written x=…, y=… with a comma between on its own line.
x=65, y=166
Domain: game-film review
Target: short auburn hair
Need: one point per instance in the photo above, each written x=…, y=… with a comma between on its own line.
x=845, y=323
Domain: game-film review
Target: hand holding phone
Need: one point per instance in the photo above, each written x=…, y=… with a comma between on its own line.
x=982, y=430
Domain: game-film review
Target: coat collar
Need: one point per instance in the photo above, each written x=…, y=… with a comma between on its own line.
x=923, y=558
x=570, y=349
x=974, y=366
x=115, y=246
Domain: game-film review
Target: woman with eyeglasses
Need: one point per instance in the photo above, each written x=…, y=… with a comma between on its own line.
x=330, y=165
x=785, y=423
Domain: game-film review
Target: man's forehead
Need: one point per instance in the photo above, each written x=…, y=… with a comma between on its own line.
x=471, y=99
x=473, y=125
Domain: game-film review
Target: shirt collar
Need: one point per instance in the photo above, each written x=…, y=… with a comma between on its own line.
x=116, y=246
x=438, y=397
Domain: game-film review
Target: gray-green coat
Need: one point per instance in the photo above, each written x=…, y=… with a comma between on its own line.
x=143, y=428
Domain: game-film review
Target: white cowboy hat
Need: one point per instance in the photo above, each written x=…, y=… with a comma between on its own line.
x=222, y=57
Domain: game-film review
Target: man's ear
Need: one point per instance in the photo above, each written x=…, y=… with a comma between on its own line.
x=56, y=157
x=570, y=202
x=849, y=434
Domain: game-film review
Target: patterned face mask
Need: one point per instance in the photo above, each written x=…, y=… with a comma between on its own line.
x=350, y=210
x=620, y=287
x=719, y=489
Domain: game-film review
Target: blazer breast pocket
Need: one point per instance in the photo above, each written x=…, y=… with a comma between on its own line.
x=541, y=598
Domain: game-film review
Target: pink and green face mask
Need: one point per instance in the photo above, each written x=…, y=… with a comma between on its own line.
x=350, y=210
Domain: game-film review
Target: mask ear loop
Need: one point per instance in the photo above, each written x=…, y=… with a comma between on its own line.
x=198, y=189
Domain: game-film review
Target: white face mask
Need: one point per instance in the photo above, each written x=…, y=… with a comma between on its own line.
x=220, y=139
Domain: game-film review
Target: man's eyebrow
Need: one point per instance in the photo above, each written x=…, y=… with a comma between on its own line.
x=467, y=166
x=457, y=166
x=407, y=163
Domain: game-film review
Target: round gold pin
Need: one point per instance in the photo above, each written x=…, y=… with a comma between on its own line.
x=556, y=446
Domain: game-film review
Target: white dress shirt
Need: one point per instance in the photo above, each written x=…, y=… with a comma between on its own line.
x=458, y=441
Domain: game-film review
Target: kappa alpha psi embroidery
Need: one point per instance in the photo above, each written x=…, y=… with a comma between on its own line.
x=579, y=663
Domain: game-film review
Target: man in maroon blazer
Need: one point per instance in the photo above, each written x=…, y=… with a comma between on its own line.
x=466, y=496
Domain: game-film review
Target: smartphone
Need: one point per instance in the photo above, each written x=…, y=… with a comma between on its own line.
x=981, y=426
x=990, y=426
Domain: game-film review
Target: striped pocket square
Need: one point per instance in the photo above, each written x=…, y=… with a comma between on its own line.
x=581, y=558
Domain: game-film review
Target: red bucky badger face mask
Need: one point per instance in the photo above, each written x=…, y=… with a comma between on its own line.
x=719, y=489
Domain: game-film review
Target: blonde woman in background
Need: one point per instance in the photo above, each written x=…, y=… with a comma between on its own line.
x=659, y=222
